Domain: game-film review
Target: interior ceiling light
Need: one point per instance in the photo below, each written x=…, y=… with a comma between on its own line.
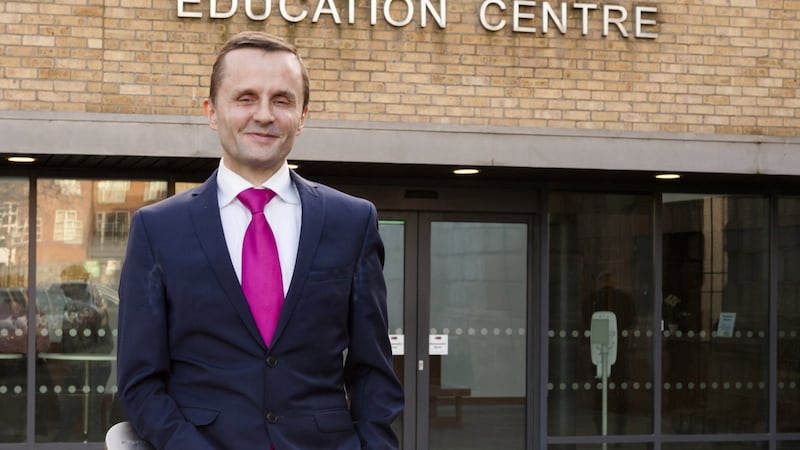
x=466, y=171
x=294, y=166
x=21, y=159
x=668, y=176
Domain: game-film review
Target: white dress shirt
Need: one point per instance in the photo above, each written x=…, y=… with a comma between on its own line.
x=283, y=214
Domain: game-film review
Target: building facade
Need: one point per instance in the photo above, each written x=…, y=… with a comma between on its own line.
x=500, y=282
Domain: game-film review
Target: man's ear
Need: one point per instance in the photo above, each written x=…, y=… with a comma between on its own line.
x=302, y=122
x=211, y=113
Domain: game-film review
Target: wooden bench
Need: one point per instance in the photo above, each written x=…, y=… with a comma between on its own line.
x=447, y=395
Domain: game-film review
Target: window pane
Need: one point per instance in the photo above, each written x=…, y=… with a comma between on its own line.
x=715, y=311
x=600, y=260
x=479, y=293
x=393, y=235
x=85, y=231
x=13, y=308
x=789, y=315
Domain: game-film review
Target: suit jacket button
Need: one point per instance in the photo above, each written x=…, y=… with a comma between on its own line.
x=271, y=361
x=272, y=417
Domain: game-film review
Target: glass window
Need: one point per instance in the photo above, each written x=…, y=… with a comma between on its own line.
x=789, y=315
x=155, y=190
x=13, y=308
x=115, y=191
x=68, y=227
x=393, y=236
x=478, y=303
x=185, y=186
x=77, y=274
x=715, y=314
x=600, y=261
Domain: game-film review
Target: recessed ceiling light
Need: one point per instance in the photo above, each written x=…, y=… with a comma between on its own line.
x=294, y=166
x=668, y=176
x=21, y=159
x=466, y=171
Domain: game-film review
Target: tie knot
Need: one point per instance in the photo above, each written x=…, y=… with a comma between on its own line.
x=255, y=199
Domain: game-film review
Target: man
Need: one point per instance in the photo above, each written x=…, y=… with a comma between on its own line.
x=196, y=372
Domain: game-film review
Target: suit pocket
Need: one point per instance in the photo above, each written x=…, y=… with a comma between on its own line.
x=330, y=274
x=199, y=417
x=334, y=421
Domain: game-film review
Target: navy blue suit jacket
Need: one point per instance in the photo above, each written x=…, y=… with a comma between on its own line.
x=194, y=373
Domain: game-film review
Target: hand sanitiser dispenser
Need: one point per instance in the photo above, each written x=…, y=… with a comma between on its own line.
x=604, y=341
x=603, y=344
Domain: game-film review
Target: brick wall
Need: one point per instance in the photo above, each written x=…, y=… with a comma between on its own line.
x=719, y=66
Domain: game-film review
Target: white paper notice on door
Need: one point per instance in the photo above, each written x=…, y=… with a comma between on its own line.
x=398, y=342
x=727, y=320
x=437, y=344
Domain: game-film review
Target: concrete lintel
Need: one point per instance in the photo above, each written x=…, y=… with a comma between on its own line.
x=147, y=135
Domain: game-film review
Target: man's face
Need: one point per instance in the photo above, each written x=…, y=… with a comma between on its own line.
x=258, y=111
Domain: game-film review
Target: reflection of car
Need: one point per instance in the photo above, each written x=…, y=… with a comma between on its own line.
x=14, y=322
x=85, y=324
x=52, y=307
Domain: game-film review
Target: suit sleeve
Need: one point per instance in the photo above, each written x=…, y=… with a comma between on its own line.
x=376, y=396
x=143, y=359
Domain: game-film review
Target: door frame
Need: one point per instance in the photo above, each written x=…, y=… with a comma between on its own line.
x=416, y=320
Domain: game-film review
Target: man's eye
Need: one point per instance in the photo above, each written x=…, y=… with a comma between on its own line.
x=246, y=100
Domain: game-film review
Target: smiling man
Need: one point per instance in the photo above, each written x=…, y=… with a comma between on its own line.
x=233, y=327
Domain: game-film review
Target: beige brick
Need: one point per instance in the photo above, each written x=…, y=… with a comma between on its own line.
x=715, y=67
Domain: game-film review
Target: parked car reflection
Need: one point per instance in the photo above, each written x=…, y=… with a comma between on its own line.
x=85, y=331
x=13, y=362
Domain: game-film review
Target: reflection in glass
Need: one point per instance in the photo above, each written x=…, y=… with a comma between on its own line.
x=84, y=231
x=737, y=445
x=393, y=236
x=642, y=446
x=715, y=312
x=789, y=315
x=478, y=294
x=14, y=307
x=600, y=260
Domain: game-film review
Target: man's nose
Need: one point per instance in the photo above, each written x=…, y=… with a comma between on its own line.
x=263, y=112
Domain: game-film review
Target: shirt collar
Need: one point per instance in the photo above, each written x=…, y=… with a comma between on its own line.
x=230, y=184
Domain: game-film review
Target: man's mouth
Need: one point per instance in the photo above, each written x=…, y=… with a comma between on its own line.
x=262, y=135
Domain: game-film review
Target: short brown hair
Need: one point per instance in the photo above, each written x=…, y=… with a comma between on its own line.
x=258, y=40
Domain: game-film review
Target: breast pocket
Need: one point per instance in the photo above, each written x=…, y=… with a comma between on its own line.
x=331, y=274
x=327, y=291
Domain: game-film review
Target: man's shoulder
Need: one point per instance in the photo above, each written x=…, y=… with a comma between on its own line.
x=330, y=194
x=175, y=203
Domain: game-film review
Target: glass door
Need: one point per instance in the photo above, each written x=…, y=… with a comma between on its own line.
x=458, y=297
x=399, y=274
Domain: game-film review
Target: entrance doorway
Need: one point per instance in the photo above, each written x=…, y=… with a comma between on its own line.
x=460, y=308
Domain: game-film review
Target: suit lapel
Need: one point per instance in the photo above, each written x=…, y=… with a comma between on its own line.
x=313, y=217
x=204, y=209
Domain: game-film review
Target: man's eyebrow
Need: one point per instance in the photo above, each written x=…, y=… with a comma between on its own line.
x=281, y=93
x=243, y=91
x=286, y=93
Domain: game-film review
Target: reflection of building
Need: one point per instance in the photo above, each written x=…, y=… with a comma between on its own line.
x=88, y=221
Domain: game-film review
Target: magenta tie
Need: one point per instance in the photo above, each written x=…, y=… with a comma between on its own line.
x=261, y=269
